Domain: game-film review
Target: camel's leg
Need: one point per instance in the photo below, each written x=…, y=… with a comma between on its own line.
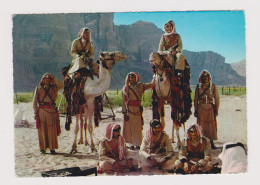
x=81, y=128
x=74, y=146
x=85, y=128
x=90, y=129
x=173, y=128
x=162, y=114
x=178, y=137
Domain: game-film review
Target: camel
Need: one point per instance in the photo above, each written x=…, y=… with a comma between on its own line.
x=93, y=88
x=170, y=89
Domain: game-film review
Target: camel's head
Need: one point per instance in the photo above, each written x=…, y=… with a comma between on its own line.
x=111, y=57
x=157, y=58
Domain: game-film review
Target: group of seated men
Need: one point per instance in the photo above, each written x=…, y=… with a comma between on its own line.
x=156, y=151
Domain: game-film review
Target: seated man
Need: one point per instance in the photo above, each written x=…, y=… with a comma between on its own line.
x=156, y=149
x=195, y=155
x=113, y=153
x=171, y=41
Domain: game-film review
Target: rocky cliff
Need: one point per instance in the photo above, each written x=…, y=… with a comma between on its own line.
x=240, y=67
x=222, y=73
x=41, y=43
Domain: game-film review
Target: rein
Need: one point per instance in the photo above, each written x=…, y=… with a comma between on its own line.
x=160, y=75
x=103, y=63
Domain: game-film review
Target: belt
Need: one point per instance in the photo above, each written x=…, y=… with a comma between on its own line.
x=206, y=102
x=135, y=103
x=45, y=107
x=46, y=104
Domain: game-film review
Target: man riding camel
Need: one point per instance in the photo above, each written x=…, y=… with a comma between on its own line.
x=171, y=41
x=82, y=51
x=75, y=75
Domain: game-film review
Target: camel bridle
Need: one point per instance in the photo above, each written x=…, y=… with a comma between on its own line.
x=158, y=80
x=103, y=60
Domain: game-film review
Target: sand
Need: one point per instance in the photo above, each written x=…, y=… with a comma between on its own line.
x=232, y=126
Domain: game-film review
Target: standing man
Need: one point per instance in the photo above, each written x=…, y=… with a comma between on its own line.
x=195, y=155
x=132, y=109
x=46, y=113
x=113, y=152
x=156, y=149
x=206, y=105
x=171, y=41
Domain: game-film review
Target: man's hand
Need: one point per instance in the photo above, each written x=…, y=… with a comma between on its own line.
x=36, y=115
x=126, y=116
x=165, y=159
x=153, y=161
x=195, y=168
x=196, y=113
x=186, y=167
x=117, y=166
x=130, y=163
x=153, y=81
x=174, y=52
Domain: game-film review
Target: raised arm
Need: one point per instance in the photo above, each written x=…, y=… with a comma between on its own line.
x=148, y=85
x=59, y=83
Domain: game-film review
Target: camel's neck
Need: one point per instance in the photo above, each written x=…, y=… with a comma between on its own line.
x=98, y=86
x=163, y=85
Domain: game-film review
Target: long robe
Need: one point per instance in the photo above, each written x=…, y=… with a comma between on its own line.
x=203, y=105
x=47, y=128
x=132, y=128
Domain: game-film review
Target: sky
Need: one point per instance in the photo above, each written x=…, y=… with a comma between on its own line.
x=222, y=32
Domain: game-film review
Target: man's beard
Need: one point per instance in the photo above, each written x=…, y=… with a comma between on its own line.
x=116, y=137
x=46, y=85
x=195, y=138
x=156, y=133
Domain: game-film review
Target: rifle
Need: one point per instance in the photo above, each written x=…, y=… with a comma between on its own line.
x=174, y=47
x=171, y=49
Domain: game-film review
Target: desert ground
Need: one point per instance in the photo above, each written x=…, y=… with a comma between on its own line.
x=232, y=126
